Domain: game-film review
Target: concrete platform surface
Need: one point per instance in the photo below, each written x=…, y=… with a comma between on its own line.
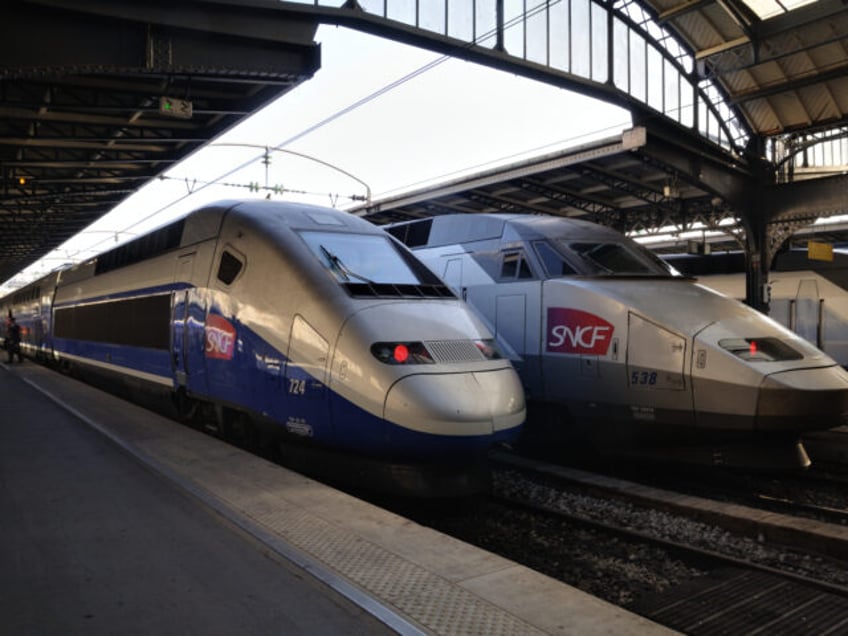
x=93, y=542
x=83, y=542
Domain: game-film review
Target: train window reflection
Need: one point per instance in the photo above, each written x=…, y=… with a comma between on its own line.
x=609, y=258
x=360, y=258
x=615, y=258
x=553, y=261
x=514, y=265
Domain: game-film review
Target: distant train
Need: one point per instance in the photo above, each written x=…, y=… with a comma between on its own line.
x=809, y=297
x=266, y=320
x=615, y=350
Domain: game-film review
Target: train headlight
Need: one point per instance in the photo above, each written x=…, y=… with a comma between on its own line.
x=760, y=349
x=401, y=353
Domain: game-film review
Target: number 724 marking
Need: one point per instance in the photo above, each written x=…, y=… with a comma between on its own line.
x=297, y=387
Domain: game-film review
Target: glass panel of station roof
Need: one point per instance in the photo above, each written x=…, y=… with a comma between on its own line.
x=770, y=8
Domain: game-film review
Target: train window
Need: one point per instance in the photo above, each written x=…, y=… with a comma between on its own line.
x=413, y=234
x=361, y=258
x=229, y=268
x=760, y=349
x=27, y=295
x=610, y=258
x=136, y=322
x=616, y=258
x=554, y=262
x=514, y=266
x=144, y=247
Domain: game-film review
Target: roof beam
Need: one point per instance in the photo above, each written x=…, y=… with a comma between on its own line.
x=786, y=87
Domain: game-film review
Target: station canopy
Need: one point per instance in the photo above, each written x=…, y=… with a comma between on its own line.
x=94, y=93
x=780, y=67
x=99, y=98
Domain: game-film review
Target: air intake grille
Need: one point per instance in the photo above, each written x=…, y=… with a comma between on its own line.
x=447, y=351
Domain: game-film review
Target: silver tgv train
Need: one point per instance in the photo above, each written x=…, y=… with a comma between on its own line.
x=615, y=350
x=266, y=319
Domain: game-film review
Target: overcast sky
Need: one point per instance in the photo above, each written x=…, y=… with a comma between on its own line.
x=455, y=117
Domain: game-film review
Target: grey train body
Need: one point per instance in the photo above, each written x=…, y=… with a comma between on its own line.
x=614, y=349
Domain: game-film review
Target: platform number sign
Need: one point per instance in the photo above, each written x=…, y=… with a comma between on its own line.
x=175, y=107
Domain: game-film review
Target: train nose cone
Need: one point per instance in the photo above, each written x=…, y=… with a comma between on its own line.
x=457, y=404
x=804, y=399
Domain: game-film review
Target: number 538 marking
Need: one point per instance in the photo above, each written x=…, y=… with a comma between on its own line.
x=643, y=377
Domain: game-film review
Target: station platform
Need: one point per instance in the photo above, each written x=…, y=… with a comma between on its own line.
x=117, y=520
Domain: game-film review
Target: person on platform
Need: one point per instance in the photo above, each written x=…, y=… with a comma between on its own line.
x=13, y=340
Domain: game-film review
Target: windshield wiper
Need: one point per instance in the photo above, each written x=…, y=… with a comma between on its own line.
x=337, y=265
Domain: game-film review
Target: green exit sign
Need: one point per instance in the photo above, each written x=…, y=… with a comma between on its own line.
x=174, y=107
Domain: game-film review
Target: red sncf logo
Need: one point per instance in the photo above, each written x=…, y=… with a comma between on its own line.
x=220, y=337
x=575, y=331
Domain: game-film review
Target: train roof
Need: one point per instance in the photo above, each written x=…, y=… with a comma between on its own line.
x=298, y=214
x=451, y=229
x=263, y=217
x=205, y=223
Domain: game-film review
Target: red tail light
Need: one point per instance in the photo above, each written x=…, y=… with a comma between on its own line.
x=401, y=353
x=760, y=349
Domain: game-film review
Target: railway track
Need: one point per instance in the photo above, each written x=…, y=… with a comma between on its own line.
x=730, y=595
x=818, y=495
x=763, y=514
x=685, y=574
x=747, y=585
x=826, y=514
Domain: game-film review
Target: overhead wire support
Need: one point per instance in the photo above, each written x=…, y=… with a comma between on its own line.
x=499, y=29
x=277, y=189
x=266, y=160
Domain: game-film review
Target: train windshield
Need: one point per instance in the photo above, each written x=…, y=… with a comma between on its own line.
x=361, y=258
x=602, y=258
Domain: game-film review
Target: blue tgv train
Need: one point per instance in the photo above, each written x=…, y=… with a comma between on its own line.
x=297, y=324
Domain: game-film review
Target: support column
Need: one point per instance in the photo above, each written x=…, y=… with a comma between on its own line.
x=758, y=211
x=757, y=262
x=499, y=19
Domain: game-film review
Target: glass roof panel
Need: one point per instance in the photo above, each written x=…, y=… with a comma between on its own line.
x=770, y=8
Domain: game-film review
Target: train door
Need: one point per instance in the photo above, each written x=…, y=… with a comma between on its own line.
x=511, y=302
x=511, y=320
x=187, y=338
x=179, y=319
x=656, y=361
x=517, y=304
x=48, y=294
x=307, y=410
